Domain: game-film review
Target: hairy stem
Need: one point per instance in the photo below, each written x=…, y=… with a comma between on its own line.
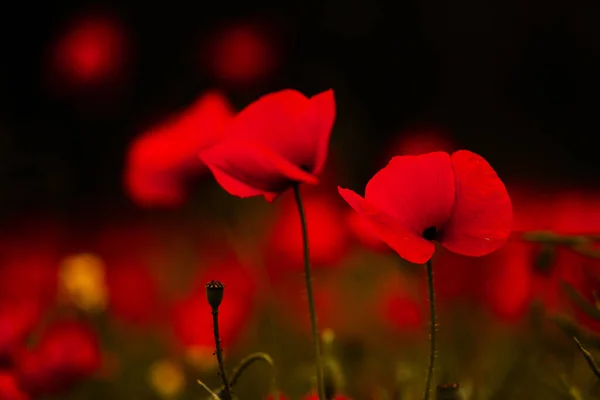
x=219, y=353
x=432, y=331
x=311, y=301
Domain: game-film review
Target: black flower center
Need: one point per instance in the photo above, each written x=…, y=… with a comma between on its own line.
x=430, y=233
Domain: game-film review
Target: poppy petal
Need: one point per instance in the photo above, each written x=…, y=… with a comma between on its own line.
x=418, y=191
x=275, y=120
x=321, y=115
x=407, y=244
x=482, y=216
x=255, y=169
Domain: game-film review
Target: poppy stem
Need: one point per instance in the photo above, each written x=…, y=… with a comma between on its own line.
x=432, y=331
x=309, y=290
x=219, y=353
x=588, y=357
x=247, y=362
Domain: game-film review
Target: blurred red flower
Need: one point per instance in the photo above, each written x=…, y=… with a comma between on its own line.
x=565, y=211
x=28, y=280
x=133, y=293
x=292, y=300
x=281, y=138
x=67, y=352
x=506, y=281
x=160, y=160
x=192, y=317
x=9, y=388
x=458, y=200
x=398, y=308
x=91, y=51
x=328, y=240
x=241, y=54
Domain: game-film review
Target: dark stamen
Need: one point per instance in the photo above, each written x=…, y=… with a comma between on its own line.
x=430, y=233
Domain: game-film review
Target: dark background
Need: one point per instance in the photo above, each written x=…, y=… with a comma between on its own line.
x=516, y=81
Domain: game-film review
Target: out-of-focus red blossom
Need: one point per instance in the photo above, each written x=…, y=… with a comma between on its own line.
x=161, y=159
x=507, y=281
x=192, y=318
x=133, y=293
x=9, y=388
x=67, y=352
x=572, y=211
x=398, y=308
x=456, y=199
x=500, y=282
x=241, y=54
x=17, y=319
x=280, y=139
x=329, y=241
x=91, y=51
x=421, y=140
x=28, y=280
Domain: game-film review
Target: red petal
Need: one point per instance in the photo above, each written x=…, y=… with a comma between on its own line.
x=482, y=216
x=418, y=191
x=246, y=169
x=321, y=116
x=408, y=245
x=288, y=124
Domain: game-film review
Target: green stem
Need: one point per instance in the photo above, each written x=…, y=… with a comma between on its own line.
x=247, y=362
x=219, y=353
x=588, y=357
x=432, y=331
x=311, y=300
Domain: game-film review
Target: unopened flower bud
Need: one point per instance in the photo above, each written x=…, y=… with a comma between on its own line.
x=214, y=293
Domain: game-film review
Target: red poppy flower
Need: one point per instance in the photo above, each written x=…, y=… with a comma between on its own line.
x=133, y=293
x=398, y=308
x=506, y=281
x=92, y=50
x=456, y=199
x=329, y=241
x=160, y=161
x=241, y=54
x=192, y=318
x=9, y=388
x=363, y=232
x=292, y=300
x=17, y=319
x=279, y=139
x=67, y=352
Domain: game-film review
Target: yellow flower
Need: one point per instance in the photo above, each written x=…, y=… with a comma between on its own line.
x=82, y=282
x=166, y=378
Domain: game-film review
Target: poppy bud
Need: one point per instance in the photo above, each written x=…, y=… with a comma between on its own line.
x=214, y=293
x=449, y=391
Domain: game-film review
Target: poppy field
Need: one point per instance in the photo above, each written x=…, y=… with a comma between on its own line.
x=240, y=231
